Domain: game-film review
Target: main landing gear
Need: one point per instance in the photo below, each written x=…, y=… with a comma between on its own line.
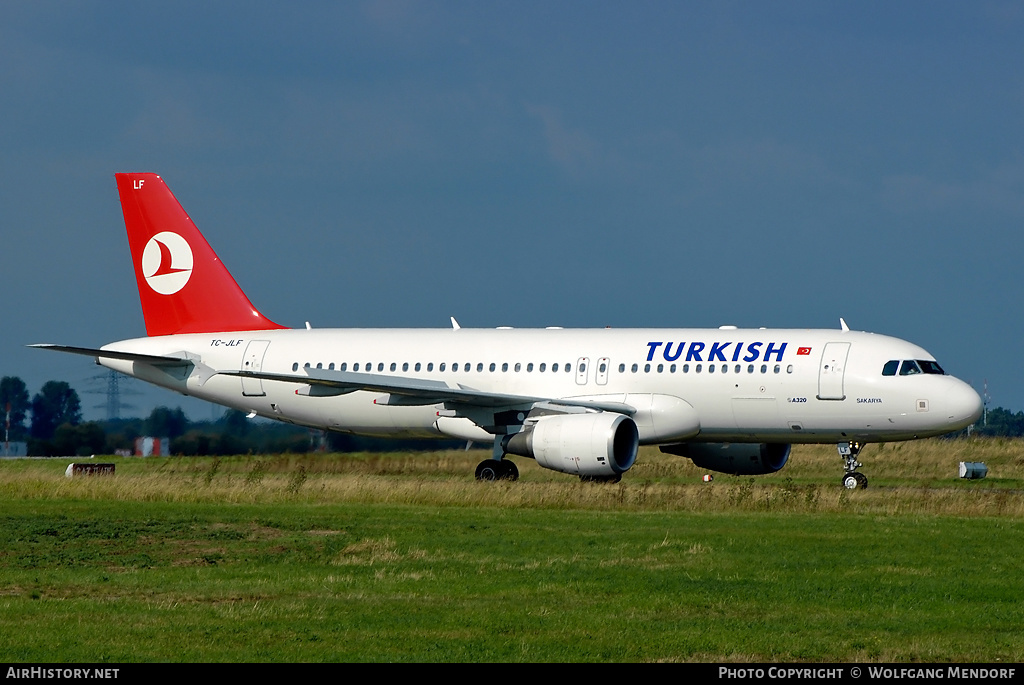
x=853, y=478
x=497, y=469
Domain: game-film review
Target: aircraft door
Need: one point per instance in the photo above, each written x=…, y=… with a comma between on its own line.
x=582, y=370
x=252, y=360
x=832, y=370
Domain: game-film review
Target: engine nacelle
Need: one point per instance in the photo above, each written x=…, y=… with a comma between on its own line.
x=599, y=444
x=736, y=458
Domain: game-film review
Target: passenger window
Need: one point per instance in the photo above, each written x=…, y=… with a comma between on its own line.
x=647, y=368
x=634, y=368
x=417, y=368
x=355, y=367
x=661, y=367
x=686, y=368
x=467, y=367
x=738, y=368
x=479, y=367
x=750, y=369
x=504, y=367
x=518, y=366
x=394, y=366
x=554, y=367
x=622, y=368
x=380, y=366
x=711, y=368
x=441, y=368
x=295, y=366
x=697, y=368
x=777, y=368
x=890, y=367
x=789, y=369
x=543, y=368
x=430, y=366
x=492, y=367
x=764, y=368
x=672, y=369
x=344, y=366
x=529, y=367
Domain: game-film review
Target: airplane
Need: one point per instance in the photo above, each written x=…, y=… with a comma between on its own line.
x=577, y=401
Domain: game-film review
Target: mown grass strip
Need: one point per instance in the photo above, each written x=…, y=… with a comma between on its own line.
x=162, y=581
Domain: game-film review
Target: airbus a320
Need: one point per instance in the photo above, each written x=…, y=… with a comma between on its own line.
x=577, y=401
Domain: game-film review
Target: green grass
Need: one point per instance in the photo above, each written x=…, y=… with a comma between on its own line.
x=405, y=558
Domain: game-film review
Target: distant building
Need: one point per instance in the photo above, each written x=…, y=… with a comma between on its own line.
x=13, y=449
x=152, y=447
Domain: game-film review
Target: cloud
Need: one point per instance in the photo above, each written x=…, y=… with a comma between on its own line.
x=570, y=149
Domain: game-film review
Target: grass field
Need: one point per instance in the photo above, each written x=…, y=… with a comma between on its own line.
x=403, y=557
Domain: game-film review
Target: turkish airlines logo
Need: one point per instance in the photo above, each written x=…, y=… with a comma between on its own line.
x=167, y=263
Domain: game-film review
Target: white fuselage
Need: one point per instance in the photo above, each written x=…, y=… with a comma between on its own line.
x=739, y=385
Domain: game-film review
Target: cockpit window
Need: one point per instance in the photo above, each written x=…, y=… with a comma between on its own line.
x=909, y=368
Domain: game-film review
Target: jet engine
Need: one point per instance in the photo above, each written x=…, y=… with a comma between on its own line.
x=593, y=444
x=736, y=458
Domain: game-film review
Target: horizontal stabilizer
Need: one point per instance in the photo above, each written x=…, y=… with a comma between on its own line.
x=154, y=359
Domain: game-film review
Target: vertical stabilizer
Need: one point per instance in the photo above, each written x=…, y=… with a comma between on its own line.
x=183, y=286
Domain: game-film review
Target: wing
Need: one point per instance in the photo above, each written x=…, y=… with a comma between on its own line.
x=402, y=390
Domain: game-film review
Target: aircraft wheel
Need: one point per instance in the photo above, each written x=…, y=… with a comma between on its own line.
x=511, y=471
x=854, y=480
x=489, y=469
x=492, y=469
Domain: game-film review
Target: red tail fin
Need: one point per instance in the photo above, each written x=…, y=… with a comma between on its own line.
x=183, y=286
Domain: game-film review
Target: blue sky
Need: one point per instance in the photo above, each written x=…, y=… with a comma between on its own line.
x=662, y=164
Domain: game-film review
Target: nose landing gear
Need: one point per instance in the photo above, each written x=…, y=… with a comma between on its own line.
x=852, y=479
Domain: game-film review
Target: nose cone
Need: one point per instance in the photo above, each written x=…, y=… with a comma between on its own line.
x=963, y=405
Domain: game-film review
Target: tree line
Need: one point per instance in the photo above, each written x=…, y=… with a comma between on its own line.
x=51, y=424
x=999, y=422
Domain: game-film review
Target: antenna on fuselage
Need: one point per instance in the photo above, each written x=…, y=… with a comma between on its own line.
x=842, y=324
x=455, y=324
x=985, y=398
